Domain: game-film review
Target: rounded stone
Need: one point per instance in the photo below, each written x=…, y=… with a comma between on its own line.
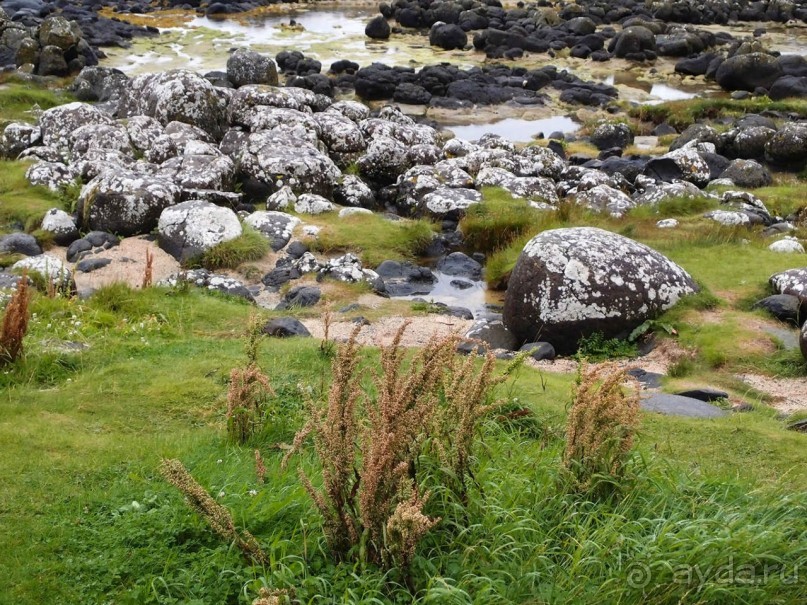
x=571, y=283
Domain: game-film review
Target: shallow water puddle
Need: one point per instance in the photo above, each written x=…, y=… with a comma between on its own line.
x=517, y=130
x=474, y=298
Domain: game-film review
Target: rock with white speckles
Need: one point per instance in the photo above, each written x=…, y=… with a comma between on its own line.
x=177, y=95
x=788, y=245
x=61, y=225
x=53, y=175
x=684, y=163
x=385, y=159
x=277, y=227
x=352, y=191
x=803, y=340
x=100, y=136
x=49, y=267
x=340, y=133
x=125, y=202
x=446, y=202
x=602, y=198
x=571, y=283
x=214, y=171
x=353, y=110
x=189, y=229
x=276, y=160
x=59, y=123
x=19, y=137
x=248, y=67
x=792, y=281
x=728, y=218
x=281, y=199
x=667, y=223
x=309, y=203
x=656, y=193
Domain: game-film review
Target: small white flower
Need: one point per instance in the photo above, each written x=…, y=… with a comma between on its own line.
x=219, y=461
x=253, y=492
x=221, y=494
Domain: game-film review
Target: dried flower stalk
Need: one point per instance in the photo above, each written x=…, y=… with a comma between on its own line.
x=216, y=515
x=15, y=323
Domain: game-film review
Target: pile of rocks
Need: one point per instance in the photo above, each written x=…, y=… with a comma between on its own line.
x=54, y=47
x=181, y=156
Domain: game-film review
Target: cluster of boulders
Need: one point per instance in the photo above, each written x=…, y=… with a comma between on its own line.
x=601, y=30
x=198, y=163
x=54, y=47
x=748, y=67
x=442, y=85
x=80, y=40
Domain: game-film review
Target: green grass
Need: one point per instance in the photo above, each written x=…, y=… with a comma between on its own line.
x=498, y=221
x=17, y=98
x=372, y=237
x=249, y=246
x=86, y=518
x=20, y=203
x=680, y=114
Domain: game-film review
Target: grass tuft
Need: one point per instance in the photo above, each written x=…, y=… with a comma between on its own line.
x=249, y=246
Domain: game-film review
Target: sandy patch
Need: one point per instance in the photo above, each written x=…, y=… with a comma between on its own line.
x=788, y=394
x=128, y=264
x=382, y=331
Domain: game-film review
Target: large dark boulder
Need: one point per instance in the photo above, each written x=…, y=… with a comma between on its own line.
x=633, y=42
x=788, y=86
x=748, y=72
x=377, y=28
x=570, y=283
x=788, y=146
x=124, y=202
x=447, y=37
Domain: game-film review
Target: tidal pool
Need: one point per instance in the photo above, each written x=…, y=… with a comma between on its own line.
x=476, y=298
x=517, y=130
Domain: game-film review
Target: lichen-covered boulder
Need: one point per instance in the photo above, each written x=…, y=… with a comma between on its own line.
x=48, y=266
x=53, y=175
x=59, y=123
x=570, y=283
x=803, y=340
x=276, y=161
x=448, y=202
x=277, y=227
x=602, y=198
x=386, y=159
x=352, y=191
x=197, y=171
x=248, y=67
x=281, y=199
x=685, y=163
x=792, y=281
x=125, y=202
x=340, y=133
x=100, y=136
x=189, y=229
x=310, y=203
x=788, y=146
x=177, y=95
x=61, y=226
x=58, y=31
x=19, y=137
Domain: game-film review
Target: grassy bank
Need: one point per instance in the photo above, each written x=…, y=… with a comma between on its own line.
x=88, y=520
